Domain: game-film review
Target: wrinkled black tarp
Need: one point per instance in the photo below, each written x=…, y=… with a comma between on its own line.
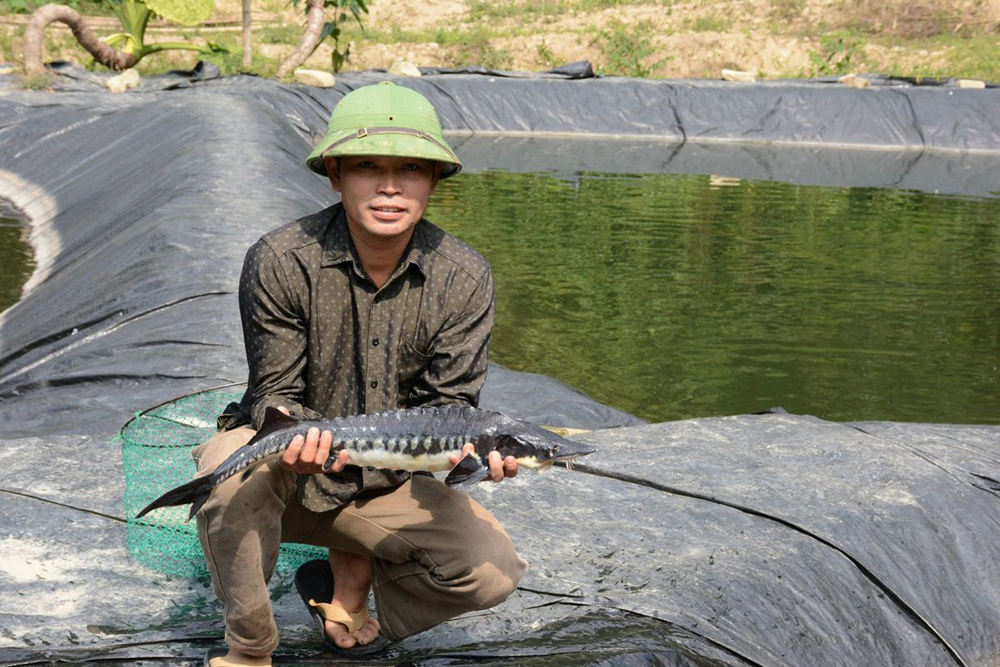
x=897, y=134
x=751, y=540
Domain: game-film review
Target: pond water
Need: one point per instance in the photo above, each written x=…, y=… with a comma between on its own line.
x=15, y=255
x=677, y=296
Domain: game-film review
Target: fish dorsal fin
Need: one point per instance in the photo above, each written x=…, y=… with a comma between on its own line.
x=274, y=420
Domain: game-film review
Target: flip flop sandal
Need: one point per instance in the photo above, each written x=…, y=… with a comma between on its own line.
x=314, y=582
x=218, y=653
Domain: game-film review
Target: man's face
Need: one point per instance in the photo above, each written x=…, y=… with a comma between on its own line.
x=384, y=197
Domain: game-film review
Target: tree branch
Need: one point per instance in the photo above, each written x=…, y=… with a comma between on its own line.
x=310, y=39
x=46, y=14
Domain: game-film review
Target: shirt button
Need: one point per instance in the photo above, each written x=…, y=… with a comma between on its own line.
x=375, y=342
x=374, y=383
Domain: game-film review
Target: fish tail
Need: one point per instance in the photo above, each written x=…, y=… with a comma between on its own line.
x=195, y=492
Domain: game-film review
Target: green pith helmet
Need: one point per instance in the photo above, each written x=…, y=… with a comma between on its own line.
x=385, y=119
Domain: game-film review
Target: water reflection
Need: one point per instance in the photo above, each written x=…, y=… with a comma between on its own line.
x=15, y=255
x=674, y=296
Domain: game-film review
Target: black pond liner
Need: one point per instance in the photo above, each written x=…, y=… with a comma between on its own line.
x=769, y=539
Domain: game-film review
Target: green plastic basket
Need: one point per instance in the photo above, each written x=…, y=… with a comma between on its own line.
x=156, y=454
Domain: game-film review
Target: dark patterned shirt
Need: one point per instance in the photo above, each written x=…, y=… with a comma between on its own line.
x=323, y=341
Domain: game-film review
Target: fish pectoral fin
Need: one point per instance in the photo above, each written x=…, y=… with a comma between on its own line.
x=468, y=471
x=249, y=471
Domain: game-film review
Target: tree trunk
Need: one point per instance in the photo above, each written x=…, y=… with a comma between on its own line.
x=46, y=14
x=247, y=29
x=310, y=39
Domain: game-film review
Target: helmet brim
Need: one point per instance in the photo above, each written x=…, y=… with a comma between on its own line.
x=388, y=144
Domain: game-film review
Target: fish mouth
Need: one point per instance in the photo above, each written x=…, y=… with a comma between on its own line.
x=569, y=460
x=534, y=463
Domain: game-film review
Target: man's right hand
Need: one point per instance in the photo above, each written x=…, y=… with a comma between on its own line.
x=306, y=455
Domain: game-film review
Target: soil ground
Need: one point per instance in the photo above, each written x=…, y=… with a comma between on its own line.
x=652, y=38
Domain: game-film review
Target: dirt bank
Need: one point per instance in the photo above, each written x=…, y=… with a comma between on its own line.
x=653, y=38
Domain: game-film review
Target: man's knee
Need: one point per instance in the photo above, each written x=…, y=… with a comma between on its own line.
x=269, y=487
x=497, y=580
x=492, y=568
x=209, y=454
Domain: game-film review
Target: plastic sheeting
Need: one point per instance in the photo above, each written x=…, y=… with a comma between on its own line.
x=935, y=138
x=752, y=540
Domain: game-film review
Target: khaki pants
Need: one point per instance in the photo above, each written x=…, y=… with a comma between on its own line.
x=436, y=553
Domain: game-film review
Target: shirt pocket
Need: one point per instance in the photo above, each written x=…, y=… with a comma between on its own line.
x=410, y=372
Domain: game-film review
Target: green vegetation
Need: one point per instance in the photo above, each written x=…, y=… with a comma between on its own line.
x=474, y=47
x=838, y=53
x=976, y=57
x=134, y=16
x=333, y=29
x=485, y=10
x=628, y=50
x=786, y=10
x=545, y=55
x=85, y=7
x=641, y=38
x=709, y=23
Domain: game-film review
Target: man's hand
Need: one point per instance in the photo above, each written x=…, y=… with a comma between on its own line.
x=500, y=468
x=306, y=455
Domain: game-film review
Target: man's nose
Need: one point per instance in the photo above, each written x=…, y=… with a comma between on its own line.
x=389, y=182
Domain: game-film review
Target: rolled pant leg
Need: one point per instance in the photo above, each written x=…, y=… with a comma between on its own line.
x=239, y=527
x=436, y=553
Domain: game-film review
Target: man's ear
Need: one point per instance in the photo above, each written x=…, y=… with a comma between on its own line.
x=333, y=172
x=437, y=176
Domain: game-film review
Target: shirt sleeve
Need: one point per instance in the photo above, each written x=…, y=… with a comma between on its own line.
x=274, y=333
x=459, y=355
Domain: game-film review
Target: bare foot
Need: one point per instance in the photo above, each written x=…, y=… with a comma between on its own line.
x=236, y=658
x=366, y=635
x=352, y=577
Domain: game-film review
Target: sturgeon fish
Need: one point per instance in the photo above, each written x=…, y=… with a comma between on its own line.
x=412, y=439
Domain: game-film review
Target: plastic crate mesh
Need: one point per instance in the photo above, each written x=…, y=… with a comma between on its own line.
x=156, y=454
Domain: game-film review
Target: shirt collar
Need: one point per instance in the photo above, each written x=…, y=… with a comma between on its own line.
x=338, y=247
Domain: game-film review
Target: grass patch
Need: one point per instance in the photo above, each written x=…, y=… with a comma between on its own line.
x=911, y=19
x=473, y=47
x=480, y=10
x=786, y=11
x=599, y=5
x=964, y=58
x=278, y=34
x=838, y=53
x=628, y=50
x=85, y=7
x=545, y=55
x=709, y=23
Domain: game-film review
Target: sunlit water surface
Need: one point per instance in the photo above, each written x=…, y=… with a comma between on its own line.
x=676, y=296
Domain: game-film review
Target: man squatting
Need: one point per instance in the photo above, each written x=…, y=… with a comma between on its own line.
x=360, y=308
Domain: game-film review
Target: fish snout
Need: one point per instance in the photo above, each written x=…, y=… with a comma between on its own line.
x=569, y=450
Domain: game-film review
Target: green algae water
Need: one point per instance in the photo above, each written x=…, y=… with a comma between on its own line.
x=677, y=296
x=15, y=255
